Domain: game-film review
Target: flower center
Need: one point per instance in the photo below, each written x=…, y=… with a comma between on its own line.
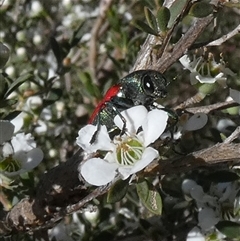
x=129, y=151
x=10, y=165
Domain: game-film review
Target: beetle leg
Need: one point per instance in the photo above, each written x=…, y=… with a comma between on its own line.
x=118, y=112
x=93, y=139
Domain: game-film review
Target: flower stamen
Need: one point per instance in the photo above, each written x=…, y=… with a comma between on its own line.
x=129, y=151
x=10, y=165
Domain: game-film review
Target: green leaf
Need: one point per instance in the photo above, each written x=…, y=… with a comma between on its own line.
x=175, y=10
x=118, y=191
x=77, y=35
x=7, y=103
x=89, y=86
x=159, y=3
x=17, y=83
x=163, y=17
x=151, y=19
x=149, y=196
x=4, y=55
x=56, y=49
x=201, y=9
x=12, y=115
x=229, y=228
x=53, y=96
x=144, y=27
x=3, y=85
x=147, y=3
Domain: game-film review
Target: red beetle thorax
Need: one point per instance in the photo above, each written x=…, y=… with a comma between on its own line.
x=112, y=92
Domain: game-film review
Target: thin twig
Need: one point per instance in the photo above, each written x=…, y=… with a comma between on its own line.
x=169, y=58
x=225, y=37
x=233, y=136
x=190, y=101
x=221, y=153
x=209, y=108
x=104, y=6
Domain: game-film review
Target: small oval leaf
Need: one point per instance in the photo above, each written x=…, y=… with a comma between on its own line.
x=201, y=9
x=163, y=17
x=151, y=19
x=144, y=27
x=117, y=191
x=7, y=103
x=3, y=85
x=4, y=55
x=176, y=9
x=149, y=197
x=53, y=95
x=17, y=83
x=229, y=228
x=56, y=50
x=77, y=35
x=12, y=115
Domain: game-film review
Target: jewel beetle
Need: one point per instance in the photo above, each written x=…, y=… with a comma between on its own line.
x=142, y=87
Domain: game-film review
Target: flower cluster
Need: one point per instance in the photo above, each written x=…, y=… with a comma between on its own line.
x=211, y=206
x=126, y=154
x=18, y=153
x=206, y=71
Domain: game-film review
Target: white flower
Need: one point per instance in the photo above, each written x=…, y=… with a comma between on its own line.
x=206, y=71
x=36, y=8
x=212, y=205
x=187, y=123
x=21, y=156
x=126, y=154
x=207, y=218
x=61, y=232
x=195, y=235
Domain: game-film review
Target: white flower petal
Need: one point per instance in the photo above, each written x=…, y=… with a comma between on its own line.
x=134, y=118
x=110, y=157
x=33, y=102
x=23, y=142
x=154, y=125
x=18, y=122
x=185, y=61
x=97, y=171
x=235, y=94
x=28, y=161
x=206, y=79
x=197, y=193
x=148, y=156
x=207, y=218
x=41, y=127
x=125, y=171
x=196, y=122
x=6, y=131
x=7, y=150
x=33, y=158
x=195, y=235
x=188, y=185
x=102, y=141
